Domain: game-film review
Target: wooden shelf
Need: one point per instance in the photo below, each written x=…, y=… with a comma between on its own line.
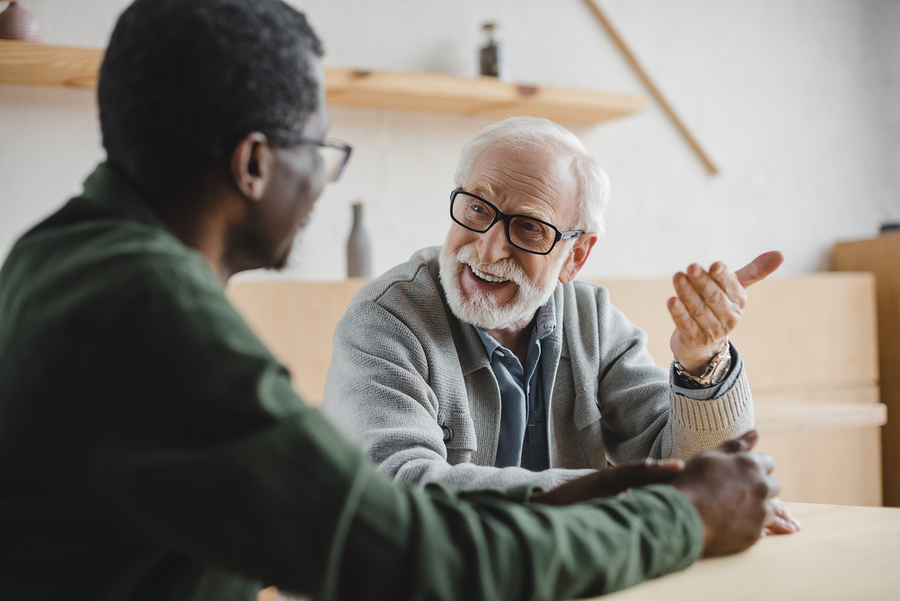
x=40, y=64
x=483, y=96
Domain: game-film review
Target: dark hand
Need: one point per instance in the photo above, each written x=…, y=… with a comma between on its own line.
x=732, y=490
x=611, y=481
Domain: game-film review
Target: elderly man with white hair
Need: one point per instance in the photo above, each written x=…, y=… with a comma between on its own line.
x=484, y=363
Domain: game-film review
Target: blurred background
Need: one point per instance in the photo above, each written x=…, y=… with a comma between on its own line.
x=796, y=101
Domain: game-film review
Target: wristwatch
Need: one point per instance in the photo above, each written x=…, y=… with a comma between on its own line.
x=715, y=373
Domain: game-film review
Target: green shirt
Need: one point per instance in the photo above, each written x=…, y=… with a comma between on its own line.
x=152, y=448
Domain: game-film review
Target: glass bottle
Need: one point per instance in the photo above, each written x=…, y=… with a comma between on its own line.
x=491, y=53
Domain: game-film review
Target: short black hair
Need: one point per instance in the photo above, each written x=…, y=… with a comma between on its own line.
x=183, y=81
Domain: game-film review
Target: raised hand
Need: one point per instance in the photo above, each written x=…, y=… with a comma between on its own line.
x=733, y=492
x=708, y=306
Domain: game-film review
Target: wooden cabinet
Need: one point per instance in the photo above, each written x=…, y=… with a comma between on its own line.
x=809, y=345
x=881, y=256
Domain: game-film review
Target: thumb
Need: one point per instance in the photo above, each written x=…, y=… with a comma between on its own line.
x=759, y=268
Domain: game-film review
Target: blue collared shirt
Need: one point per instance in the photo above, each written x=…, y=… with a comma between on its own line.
x=523, y=414
x=523, y=410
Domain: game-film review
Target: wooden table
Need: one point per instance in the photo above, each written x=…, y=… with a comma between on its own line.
x=842, y=553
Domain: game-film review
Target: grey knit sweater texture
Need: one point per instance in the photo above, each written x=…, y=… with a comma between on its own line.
x=413, y=386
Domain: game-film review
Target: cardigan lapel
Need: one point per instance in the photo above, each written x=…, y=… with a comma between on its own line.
x=482, y=390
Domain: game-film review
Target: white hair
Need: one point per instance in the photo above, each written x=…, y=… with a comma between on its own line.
x=533, y=132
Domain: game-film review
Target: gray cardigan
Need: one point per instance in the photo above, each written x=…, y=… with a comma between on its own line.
x=413, y=386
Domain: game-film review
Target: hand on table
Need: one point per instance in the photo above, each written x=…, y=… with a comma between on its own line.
x=611, y=481
x=784, y=522
x=708, y=307
x=733, y=492
x=729, y=486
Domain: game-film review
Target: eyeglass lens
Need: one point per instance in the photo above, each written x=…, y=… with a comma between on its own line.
x=528, y=234
x=333, y=159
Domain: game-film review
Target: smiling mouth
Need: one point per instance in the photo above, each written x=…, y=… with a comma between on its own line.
x=486, y=277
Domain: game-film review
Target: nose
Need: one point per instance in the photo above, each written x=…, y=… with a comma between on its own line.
x=493, y=245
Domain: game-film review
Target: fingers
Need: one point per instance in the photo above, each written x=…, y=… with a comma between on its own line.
x=640, y=473
x=729, y=283
x=769, y=488
x=783, y=522
x=740, y=444
x=683, y=319
x=779, y=526
x=707, y=308
x=759, y=268
x=770, y=516
x=703, y=300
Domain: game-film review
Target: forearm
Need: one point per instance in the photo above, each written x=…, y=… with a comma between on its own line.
x=424, y=471
x=646, y=413
x=303, y=510
x=478, y=545
x=699, y=425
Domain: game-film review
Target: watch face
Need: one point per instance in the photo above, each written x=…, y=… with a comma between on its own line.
x=715, y=372
x=720, y=370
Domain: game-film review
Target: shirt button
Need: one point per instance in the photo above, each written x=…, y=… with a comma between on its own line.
x=499, y=353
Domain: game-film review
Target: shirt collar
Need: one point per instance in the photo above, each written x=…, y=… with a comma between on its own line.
x=109, y=188
x=545, y=324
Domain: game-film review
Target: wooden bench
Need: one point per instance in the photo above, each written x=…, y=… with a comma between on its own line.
x=809, y=344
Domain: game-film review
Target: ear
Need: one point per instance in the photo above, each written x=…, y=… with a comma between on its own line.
x=251, y=165
x=578, y=256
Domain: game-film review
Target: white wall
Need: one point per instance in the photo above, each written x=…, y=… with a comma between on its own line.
x=796, y=100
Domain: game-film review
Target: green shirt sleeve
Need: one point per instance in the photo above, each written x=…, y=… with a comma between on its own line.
x=197, y=443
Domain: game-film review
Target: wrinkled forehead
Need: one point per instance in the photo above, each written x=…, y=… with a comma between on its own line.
x=545, y=175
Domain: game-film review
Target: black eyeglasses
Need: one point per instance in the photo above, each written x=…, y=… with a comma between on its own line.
x=527, y=233
x=334, y=153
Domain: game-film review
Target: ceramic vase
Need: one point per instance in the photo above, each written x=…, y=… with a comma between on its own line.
x=359, y=250
x=19, y=23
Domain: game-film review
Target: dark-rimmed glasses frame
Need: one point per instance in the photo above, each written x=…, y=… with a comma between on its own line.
x=283, y=137
x=501, y=216
x=332, y=172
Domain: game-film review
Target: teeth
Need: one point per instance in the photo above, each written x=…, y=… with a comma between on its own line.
x=486, y=277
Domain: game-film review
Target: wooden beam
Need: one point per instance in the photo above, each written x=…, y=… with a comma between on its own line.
x=651, y=86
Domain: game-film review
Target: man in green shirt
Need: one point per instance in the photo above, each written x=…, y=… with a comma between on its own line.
x=152, y=448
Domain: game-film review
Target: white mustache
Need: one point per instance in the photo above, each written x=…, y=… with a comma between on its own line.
x=506, y=269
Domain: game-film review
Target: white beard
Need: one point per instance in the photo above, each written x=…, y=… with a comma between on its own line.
x=481, y=308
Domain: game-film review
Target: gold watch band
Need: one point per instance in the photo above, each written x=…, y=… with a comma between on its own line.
x=715, y=372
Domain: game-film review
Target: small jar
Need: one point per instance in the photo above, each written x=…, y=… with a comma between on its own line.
x=491, y=55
